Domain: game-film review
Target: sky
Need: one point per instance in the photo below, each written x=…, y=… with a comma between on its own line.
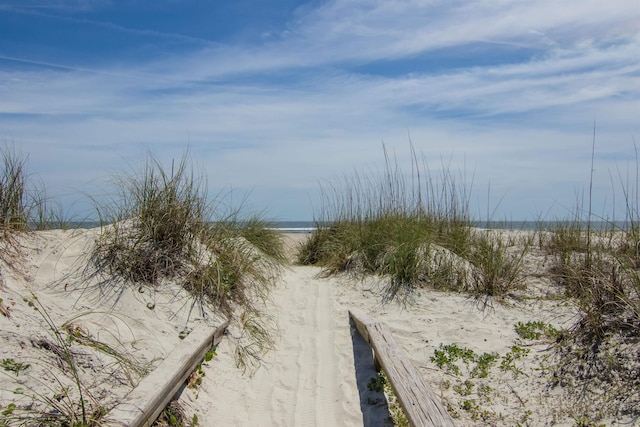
x=276, y=99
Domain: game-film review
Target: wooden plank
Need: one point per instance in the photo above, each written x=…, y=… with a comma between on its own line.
x=421, y=406
x=147, y=400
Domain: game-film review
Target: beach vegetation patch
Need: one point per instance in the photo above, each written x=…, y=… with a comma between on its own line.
x=377, y=383
x=597, y=355
x=151, y=227
x=413, y=229
x=14, y=201
x=24, y=204
x=12, y=365
x=447, y=356
x=534, y=330
x=175, y=415
x=497, y=272
x=162, y=226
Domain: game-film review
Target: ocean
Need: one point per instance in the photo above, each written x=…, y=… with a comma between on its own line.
x=310, y=226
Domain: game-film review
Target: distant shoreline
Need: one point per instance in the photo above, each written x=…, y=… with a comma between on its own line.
x=306, y=227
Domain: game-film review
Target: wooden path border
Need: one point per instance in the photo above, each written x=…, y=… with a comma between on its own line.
x=421, y=406
x=148, y=399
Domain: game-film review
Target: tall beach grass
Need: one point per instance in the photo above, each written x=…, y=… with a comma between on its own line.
x=163, y=226
x=412, y=227
x=14, y=203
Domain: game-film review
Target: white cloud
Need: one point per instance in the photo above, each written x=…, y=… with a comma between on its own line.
x=283, y=116
x=383, y=29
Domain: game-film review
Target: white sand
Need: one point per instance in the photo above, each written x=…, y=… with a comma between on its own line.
x=317, y=375
x=142, y=324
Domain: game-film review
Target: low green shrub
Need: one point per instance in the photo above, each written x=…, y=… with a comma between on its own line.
x=535, y=330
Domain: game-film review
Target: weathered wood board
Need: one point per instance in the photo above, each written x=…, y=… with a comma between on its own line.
x=421, y=406
x=147, y=400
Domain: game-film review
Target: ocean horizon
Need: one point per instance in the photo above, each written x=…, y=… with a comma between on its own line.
x=311, y=226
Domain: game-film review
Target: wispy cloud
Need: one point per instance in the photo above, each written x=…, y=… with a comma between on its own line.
x=67, y=18
x=303, y=105
x=58, y=5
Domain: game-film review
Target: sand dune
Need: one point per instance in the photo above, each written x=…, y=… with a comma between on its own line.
x=319, y=370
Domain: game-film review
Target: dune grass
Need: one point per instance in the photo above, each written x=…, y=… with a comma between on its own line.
x=162, y=226
x=24, y=204
x=599, y=270
x=413, y=228
x=600, y=273
x=151, y=228
x=14, y=204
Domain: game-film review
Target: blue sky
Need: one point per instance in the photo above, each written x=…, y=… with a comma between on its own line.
x=275, y=97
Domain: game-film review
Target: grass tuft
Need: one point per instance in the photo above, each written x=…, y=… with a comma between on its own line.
x=150, y=231
x=410, y=231
x=161, y=227
x=14, y=203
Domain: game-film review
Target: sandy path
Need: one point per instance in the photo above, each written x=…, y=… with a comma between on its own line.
x=310, y=378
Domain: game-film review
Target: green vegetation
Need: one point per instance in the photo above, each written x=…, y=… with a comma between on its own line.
x=472, y=375
x=14, y=204
x=535, y=330
x=509, y=360
x=414, y=230
x=411, y=230
x=16, y=367
x=162, y=226
x=175, y=415
x=159, y=227
x=377, y=383
x=600, y=274
x=24, y=204
x=447, y=355
x=397, y=415
x=381, y=384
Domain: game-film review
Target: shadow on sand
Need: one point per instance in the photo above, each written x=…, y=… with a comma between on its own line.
x=373, y=404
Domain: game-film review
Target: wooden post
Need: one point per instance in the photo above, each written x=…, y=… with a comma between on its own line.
x=421, y=406
x=148, y=399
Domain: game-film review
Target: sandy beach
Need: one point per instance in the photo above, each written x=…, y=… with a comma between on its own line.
x=319, y=371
